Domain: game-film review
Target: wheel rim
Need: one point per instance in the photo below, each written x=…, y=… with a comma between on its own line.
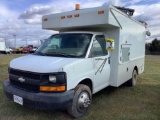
x=83, y=101
x=134, y=77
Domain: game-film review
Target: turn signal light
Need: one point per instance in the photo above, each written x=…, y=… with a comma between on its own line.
x=52, y=88
x=101, y=12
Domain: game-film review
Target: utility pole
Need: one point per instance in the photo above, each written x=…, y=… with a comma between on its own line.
x=26, y=42
x=14, y=40
x=25, y=35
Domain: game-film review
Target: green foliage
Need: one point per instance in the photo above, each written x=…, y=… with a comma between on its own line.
x=153, y=47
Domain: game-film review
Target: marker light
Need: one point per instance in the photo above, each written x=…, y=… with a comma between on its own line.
x=62, y=17
x=101, y=12
x=77, y=6
x=69, y=16
x=76, y=15
x=52, y=88
x=45, y=19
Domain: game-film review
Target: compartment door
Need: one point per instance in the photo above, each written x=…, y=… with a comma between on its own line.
x=125, y=53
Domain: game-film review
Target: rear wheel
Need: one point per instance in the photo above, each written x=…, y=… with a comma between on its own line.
x=81, y=101
x=133, y=80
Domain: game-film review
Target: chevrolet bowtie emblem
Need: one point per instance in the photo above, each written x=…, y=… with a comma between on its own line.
x=21, y=79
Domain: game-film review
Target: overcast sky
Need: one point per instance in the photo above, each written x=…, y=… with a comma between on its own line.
x=23, y=17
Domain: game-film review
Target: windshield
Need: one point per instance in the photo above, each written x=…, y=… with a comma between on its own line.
x=66, y=45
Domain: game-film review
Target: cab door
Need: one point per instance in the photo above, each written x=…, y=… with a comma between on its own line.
x=101, y=63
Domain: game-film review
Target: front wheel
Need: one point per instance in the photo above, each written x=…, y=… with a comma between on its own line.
x=81, y=101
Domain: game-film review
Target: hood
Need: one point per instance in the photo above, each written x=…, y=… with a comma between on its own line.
x=41, y=64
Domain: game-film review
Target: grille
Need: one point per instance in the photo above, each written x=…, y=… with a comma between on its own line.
x=25, y=74
x=25, y=86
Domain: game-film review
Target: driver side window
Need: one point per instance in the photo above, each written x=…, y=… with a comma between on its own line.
x=54, y=43
x=99, y=46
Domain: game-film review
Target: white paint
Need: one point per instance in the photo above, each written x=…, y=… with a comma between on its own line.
x=41, y=64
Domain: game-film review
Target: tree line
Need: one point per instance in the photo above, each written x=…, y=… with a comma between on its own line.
x=153, y=48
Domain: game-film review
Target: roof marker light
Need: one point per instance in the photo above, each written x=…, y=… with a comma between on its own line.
x=76, y=15
x=101, y=12
x=77, y=7
x=62, y=17
x=69, y=16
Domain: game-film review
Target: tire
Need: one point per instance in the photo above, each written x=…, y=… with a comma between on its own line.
x=133, y=80
x=81, y=101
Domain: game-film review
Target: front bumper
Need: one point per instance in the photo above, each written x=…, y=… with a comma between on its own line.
x=43, y=101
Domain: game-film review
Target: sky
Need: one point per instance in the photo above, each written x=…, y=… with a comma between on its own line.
x=21, y=19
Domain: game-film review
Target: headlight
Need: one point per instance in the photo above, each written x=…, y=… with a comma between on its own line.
x=52, y=78
x=54, y=82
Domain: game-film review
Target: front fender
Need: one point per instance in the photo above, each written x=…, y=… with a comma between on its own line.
x=78, y=71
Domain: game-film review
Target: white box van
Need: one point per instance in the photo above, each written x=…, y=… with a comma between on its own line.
x=4, y=48
x=95, y=48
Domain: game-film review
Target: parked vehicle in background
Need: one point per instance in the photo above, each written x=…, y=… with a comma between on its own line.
x=11, y=51
x=27, y=49
x=33, y=49
x=20, y=50
x=30, y=46
x=3, y=48
x=14, y=50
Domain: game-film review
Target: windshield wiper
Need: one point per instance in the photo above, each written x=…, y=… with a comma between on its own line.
x=39, y=53
x=54, y=54
x=60, y=54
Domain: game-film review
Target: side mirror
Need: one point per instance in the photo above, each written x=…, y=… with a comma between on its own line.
x=148, y=33
x=109, y=44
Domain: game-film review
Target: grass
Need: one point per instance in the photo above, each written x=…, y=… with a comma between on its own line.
x=141, y=102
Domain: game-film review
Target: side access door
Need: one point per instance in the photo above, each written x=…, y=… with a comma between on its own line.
x=101, y=63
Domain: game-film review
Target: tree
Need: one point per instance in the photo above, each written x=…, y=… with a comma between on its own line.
x=153, y=47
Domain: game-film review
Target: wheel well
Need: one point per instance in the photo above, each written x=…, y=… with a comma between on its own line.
x=87, y=82
x=136, y=68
